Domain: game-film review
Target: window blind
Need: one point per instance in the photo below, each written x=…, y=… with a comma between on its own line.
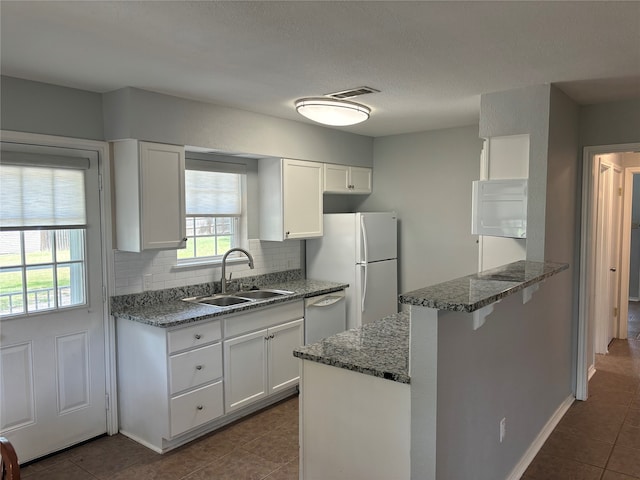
x=41, y=197
x=210, y=193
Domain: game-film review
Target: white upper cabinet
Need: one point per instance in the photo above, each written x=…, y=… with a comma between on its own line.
x=290, y=199
x=149, y=195
x=346, y=179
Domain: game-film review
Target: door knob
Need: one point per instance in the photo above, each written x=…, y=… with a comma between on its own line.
x=613, y=269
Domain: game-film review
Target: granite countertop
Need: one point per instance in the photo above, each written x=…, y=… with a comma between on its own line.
x=471, y=293
x=166, y=309
x=380, y=348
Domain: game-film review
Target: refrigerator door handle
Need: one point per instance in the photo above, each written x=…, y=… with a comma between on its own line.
x=364, y=285
x=363, y=229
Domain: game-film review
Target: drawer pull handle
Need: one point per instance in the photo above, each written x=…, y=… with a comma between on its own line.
x=198, y=367
x=198, y=336
x=199, y=407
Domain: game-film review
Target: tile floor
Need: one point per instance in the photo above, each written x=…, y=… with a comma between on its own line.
x=598, y=439
x=263, y=446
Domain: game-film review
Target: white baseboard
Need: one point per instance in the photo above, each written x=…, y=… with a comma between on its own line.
x=535, y=447
x=634, y=299
x=591, y=372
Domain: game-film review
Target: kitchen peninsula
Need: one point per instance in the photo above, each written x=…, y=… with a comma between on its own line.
x=384, y=400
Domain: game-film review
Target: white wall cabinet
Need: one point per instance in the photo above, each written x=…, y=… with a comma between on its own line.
x=346, y=179
x=149, y=195
x=290, y=199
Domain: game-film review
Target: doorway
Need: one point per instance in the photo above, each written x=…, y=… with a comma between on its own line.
x=604, y=253
x=55, y=348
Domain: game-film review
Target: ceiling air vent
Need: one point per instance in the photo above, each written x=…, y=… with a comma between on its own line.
x=352, y=92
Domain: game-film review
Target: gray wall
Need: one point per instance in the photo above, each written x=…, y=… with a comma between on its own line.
x=36, y=107
x=135, y=113
x=524, y=111
x=515, y=366
x=426, y=178
x=610, y=123
x=562, y=228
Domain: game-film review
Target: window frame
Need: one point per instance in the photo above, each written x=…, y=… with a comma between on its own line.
x=240, y=221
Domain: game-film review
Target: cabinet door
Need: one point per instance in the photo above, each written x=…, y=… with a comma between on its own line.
x=336, y=178
x=284, y=369
x=302, y=199
x=162, y=196
x=245, y=369
x=360, y=180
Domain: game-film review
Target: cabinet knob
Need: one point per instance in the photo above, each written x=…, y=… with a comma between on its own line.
x=199, y=407
x=272, y=335
x=198, y=336
x=198, y=367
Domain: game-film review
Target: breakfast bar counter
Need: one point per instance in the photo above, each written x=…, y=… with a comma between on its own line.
x=366, y=411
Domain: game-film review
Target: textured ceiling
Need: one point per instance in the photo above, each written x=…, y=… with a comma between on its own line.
x=430, y=60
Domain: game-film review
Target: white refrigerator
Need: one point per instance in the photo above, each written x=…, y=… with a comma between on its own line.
x=359, y=249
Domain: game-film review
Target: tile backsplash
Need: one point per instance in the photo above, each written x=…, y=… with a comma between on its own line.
x=156, y=270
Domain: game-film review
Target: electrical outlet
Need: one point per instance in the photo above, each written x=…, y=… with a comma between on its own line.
x=503, y=428
x=147, y=282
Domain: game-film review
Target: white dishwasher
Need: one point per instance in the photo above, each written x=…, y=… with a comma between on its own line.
x=324, y=315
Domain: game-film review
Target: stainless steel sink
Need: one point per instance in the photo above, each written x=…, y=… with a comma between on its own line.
x=262, y=294
x=218, y=301
x=227, y=300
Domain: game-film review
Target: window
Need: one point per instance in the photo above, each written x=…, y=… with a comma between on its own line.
x=42, y=237
x=214, y=199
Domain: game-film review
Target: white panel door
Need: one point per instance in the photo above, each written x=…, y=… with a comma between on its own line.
x=52, y=356
x=284, y=370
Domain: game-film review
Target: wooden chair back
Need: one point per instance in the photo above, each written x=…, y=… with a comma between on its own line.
x=9, y=466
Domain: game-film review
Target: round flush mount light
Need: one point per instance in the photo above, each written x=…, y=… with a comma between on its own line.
x=331, y=111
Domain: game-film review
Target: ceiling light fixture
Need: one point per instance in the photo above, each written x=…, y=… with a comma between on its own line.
x=330, y=111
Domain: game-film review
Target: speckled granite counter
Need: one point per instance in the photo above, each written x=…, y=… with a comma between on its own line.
x=379, y=348
x=471, y=293
x=165, y=308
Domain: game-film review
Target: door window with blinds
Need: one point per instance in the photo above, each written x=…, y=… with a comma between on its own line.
x=214, y=209
x=42, y=234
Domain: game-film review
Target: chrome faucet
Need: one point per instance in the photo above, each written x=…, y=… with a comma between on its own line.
x=223, y=281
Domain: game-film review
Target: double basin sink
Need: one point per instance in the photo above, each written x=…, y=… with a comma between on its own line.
x=229, y=299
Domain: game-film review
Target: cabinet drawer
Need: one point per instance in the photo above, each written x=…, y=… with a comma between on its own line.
x=195, y=367
x=193, y=336
x=262, y=318
x=195, y=408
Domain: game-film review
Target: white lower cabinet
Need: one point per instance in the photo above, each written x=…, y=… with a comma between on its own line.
x=175, y=384
x=261, y=363
x=192, y=409
x=284, y=369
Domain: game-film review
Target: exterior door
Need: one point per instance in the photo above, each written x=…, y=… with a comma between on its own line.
x=52, y=348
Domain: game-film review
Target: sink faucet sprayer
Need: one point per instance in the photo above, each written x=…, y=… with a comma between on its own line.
x=223, y=280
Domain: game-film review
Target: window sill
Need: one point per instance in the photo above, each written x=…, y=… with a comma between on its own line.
x=197, y=263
